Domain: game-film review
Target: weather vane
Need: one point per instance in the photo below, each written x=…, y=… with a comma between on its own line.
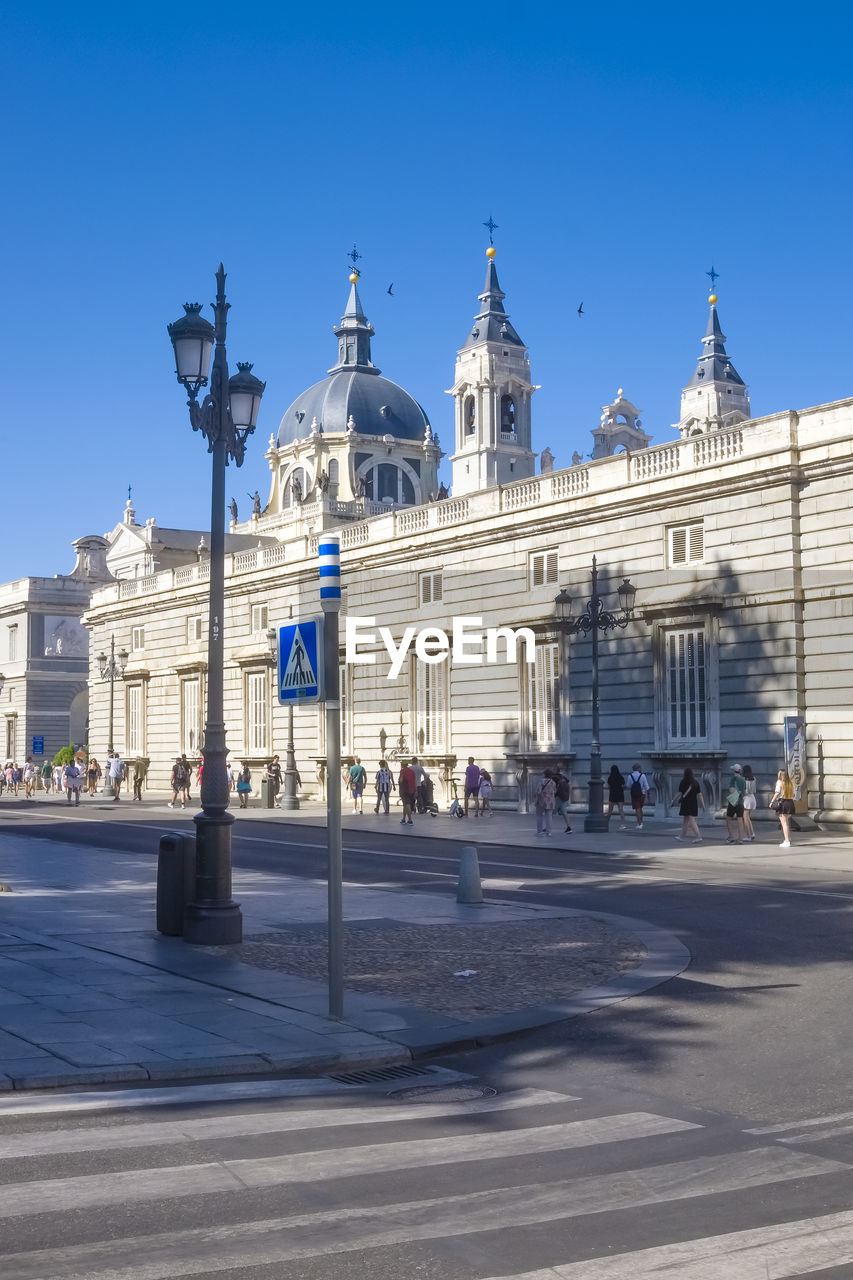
x=128, y=493
x=715, y=275
x=355, y=257
x=492, y=228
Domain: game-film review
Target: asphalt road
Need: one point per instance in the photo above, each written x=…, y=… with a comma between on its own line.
x=755, y=1034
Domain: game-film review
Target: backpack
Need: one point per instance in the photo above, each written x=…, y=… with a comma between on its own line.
x=564, y=791
x=636, y=788
x=180, y=775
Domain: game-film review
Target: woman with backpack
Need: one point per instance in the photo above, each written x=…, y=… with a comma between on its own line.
x=545, y=800
x=638, y=788
x=244, y=785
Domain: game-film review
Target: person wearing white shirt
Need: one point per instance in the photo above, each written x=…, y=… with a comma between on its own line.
x=116, y=772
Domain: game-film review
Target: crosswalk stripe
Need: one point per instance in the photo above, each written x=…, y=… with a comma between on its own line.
x=766, y=1253
x=207, y=1250
x=818, y=1121
x=166, y=1132
x=88, y=1191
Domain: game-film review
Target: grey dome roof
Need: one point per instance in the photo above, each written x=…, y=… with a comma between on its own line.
x=354, y=389
x=378, y=407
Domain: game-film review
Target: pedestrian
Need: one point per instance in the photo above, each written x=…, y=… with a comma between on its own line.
x=71, y=774
x=688, y=799
x=749, y=802
x=472, y=786
x=272, y=772
x=638, y=789
x=734, y=805
x=229, y=776
x=616, y=795
x=244, y=785
x=93, y=773
x=189, y=773
x=783, y=804
x=140, y=773
x=17, y=776
x=200, y=772
x=420, y=776
x=117, y=773
x=30, y=775
x=545, y=799
x=46, y=777
x=562, y=795
x=408, y=793
x=178, y=782
x=384, y=786
x=57, y=778
x=355, y=785
x=485, y=796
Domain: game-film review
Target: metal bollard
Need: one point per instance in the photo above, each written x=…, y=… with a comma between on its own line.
x=469, y=889
x=175, y=881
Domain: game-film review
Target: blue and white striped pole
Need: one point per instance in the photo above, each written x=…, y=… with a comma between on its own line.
x=330, y=601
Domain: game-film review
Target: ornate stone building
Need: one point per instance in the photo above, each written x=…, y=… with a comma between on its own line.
x=736, y=535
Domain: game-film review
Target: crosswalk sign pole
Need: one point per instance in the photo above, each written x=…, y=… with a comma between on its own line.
x=330, y=600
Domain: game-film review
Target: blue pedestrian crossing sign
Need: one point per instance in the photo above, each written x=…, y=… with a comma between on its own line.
x=300, y=661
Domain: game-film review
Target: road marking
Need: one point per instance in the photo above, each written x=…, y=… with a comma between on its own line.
x=790, y=1249
x=135, y=1186
x=210, y=1249
x=803, y=1124
x=163, y=1133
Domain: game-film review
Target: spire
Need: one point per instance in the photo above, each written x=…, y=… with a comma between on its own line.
x=714, y=364
x=491, y=324
x=354, y=333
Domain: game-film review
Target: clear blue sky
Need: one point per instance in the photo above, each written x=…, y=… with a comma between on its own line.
x=622, y=149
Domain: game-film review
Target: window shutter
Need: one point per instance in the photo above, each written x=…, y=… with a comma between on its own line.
x=436, y=586
x=426, y=589
x=678, y=543
x=696, y=542
x=538, y=570
x=551, y=566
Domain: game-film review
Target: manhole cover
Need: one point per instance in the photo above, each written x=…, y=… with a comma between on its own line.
x=443, y=1093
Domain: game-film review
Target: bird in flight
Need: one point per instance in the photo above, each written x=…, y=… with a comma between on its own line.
x=580, y=309
x=390, y=287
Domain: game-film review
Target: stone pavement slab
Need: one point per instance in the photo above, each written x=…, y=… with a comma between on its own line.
x=90, y=993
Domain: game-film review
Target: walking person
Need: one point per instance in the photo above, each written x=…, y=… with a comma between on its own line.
x=244, y=785
x=485, y=796
x=117, y=774
x=638, y=789
x=688, y=799
x=140, y=773
x=545, y=800
x=420, y=775
x=93, y=773
x=408, y=788
x=17, y=776
x=355, y=785
x=189, y=773
x=71, y=775
x=472, y=786
x=273, y=773
x=562, y=796
x=57, y=778
x=47, y=777
x=783, y=804
x=384, y=786
x=616, y=796
x=178, y=783
x=734, y=805
x=749, y=803
x=30, y=775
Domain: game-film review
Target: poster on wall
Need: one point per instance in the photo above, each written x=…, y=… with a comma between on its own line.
x=795, y=753
x=65, y=637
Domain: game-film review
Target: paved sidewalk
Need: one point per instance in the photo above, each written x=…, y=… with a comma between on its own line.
x=91, y=994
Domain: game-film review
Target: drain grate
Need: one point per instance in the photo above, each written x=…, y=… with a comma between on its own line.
x=378, y=1075
x=443, y=1093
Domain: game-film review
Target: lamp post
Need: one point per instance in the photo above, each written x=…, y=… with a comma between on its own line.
x=292, y=780
x=226, y=418
x=591, y=620
x=112, y=671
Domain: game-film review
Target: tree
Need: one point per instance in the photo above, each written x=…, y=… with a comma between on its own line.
x=66, y=755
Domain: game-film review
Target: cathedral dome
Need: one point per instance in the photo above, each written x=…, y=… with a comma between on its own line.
x=354, y=395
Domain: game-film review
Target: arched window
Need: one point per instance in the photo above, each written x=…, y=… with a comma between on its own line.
x=295, y=488
x=387, y=482
x=507, y=416
x=468, y=415
x=333, y=472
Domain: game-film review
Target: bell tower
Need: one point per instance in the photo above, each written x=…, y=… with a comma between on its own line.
x=716, y=396
x=492, y=392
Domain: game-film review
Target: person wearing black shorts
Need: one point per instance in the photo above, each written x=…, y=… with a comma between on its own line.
x=734, y=805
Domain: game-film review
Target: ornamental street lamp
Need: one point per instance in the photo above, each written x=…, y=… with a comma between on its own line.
x=292, y=780
x=592, y=619
x=226, y=418
x=111, y=670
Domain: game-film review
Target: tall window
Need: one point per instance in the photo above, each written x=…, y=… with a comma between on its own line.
x=12, y=633
x=507, y=416
x=260, y=615
x=431, y=706
x=687, y=685
x=257, y=713
x=11, y=745
x=386, y=482
x=469, y=415
x=346, y=709
x=430, y=584
x=191, y=716
x=194, y=628
x=137, y=638
x=295, y=487
x=135, y=744
x=543, y=697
